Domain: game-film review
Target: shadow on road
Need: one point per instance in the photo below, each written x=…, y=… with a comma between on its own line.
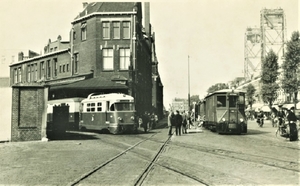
x=256, y=132
x=73, y=135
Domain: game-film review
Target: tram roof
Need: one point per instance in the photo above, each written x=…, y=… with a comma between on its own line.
x=226, y=91
x=110, y=96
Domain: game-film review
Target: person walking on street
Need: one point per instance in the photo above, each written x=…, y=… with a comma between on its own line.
x=171, y=123
x=178, y=123
x=184, y=123
x=145, y=119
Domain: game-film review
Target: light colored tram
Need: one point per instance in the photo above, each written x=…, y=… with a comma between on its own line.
x=114, y=111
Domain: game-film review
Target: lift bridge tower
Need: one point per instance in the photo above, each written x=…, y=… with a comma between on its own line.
x=259, y=41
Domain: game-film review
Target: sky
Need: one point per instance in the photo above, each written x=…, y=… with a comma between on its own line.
x=205, y=35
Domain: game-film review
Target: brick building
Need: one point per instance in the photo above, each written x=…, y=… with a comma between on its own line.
x=109, y=51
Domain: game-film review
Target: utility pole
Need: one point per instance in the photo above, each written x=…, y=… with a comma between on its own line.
x=189, y=99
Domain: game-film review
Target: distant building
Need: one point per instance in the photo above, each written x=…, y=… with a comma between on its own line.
x=180, y=104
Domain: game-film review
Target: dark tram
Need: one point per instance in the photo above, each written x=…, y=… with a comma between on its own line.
x=223, y=111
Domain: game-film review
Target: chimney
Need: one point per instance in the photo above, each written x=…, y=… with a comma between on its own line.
x=20, y=56
x=147, y=18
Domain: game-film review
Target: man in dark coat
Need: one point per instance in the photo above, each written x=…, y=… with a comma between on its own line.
x=178, y=123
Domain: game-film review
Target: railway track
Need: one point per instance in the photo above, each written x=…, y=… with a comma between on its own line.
x=146, y=171
x=257, y=159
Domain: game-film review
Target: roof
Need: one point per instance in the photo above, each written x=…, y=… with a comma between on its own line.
x=93, y=83
x=226, y=91
x=106, y=7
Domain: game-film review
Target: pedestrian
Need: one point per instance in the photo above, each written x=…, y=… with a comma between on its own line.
x=145, y=119
x=280, y=115
x=178, y=123
x=184, y=123
x=171, y=123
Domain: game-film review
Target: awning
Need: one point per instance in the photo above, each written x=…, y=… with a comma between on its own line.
x=288, y=106
x=265, y=108
x=275, y=107
x=92, y=83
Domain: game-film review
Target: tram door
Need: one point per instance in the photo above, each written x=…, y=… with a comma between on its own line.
x=233, y=112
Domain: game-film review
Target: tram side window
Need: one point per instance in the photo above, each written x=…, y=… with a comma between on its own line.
x=99, y=106
x=221, y=101
x=90, y=107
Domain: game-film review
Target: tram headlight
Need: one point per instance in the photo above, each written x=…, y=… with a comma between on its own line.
x=241, y=120
x=120, y=119
x=223, y=119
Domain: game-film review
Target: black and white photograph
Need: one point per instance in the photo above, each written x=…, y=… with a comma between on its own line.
x=158, y=92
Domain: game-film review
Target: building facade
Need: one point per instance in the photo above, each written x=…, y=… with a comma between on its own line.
x=109, y=51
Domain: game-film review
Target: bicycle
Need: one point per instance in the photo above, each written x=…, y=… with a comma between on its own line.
x=288, y=130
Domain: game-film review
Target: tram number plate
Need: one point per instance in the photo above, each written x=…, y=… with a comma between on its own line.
x=232, y=126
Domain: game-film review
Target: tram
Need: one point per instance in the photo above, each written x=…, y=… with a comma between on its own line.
x=115, y=112
x=73, y=105
x=225, y=111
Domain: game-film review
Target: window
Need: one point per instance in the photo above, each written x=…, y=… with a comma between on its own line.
x=42, y=71
x=55, y=66
x=32, y=72
x=126, y=30
x=60, y=71
x=15, y=75
x=83, y=31
x=19, y=74
x=124, y=58
x=74, y=35
x=105, y=30
x=28, y=73
x=99, y=106
x=221, y=101
x=108, y=62
x=67, y=67
x=116, y=30
x=90, y=107
x=233, y=100
x=36, y=72
x=76, y=61
x=48, y=69
x=64, y=68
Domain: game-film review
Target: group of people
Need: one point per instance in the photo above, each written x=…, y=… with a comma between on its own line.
x=281, y=115
x=180, y=121
x=149, y=121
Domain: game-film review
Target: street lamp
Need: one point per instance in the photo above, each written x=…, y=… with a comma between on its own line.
x=189, y=99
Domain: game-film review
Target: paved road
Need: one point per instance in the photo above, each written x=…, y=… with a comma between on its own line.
x=197, y=158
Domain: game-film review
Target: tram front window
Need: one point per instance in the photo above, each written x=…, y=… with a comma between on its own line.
x=124, y=106
x=221, y=101
x=233, y=100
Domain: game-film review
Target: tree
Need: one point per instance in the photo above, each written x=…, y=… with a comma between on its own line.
x=269, y=77
x=218, y=86
x=290, y=66
x=250, y=90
